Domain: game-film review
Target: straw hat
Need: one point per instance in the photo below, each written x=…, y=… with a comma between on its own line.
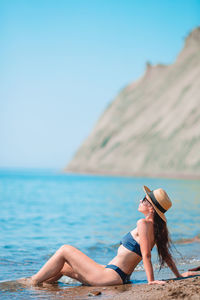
x=159, y=200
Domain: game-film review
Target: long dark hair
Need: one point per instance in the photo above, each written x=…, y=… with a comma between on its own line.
x=162, y=241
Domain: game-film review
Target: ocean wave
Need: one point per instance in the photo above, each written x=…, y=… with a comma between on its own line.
x=192, y=261
x=188, y=240
x=70, y=281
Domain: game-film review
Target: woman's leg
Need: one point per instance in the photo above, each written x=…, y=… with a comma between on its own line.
x=84, y=268
x=66, y=270
x=54, y=278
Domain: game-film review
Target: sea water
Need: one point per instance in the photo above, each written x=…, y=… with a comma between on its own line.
x=42, y=210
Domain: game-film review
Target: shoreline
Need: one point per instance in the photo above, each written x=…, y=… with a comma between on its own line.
x=182, y=176
x=33, y=171
x=187, y=288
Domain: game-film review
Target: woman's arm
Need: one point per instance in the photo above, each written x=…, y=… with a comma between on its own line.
x=172, y=266
x=146, y=251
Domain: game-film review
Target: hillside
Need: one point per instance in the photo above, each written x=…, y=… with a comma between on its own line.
x=153, y=126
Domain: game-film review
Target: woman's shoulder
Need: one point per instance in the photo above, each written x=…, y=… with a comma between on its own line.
x=144, y=223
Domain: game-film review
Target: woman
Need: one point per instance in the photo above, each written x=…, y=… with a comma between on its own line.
x=135, y=246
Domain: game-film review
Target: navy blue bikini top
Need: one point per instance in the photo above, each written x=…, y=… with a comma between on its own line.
x=130, y=243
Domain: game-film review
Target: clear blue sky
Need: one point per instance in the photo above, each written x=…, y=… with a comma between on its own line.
x=62, y=62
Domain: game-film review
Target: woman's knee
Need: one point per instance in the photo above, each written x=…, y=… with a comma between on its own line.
x=65, y=249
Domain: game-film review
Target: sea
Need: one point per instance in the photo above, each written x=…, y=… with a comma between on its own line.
x=41, y=210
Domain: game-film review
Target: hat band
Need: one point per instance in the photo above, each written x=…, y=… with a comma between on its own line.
x=157, y=204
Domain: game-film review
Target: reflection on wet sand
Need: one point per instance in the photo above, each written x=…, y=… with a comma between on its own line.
x=174, y=288
x=60, y=290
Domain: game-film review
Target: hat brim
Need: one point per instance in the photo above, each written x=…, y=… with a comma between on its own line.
x=147, y=191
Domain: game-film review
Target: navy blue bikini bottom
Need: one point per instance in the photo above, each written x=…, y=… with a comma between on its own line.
x=125, y=277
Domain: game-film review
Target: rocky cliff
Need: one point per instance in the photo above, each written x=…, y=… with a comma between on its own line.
x=153, y=126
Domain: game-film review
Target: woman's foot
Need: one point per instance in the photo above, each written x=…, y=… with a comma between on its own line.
x=28, y=281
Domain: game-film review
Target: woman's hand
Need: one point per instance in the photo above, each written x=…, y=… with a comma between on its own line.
x=157, y=282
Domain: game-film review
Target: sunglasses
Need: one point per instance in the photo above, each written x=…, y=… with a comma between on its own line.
x=145, y=201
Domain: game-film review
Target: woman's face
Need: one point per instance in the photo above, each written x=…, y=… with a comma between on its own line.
x=144, y=206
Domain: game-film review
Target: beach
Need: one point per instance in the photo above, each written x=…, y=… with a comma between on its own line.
x=188, y=288
x=179, y=289
x=41, y=211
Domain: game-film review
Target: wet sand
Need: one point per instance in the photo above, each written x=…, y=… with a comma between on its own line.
x=188, y=288
x=175, y=289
